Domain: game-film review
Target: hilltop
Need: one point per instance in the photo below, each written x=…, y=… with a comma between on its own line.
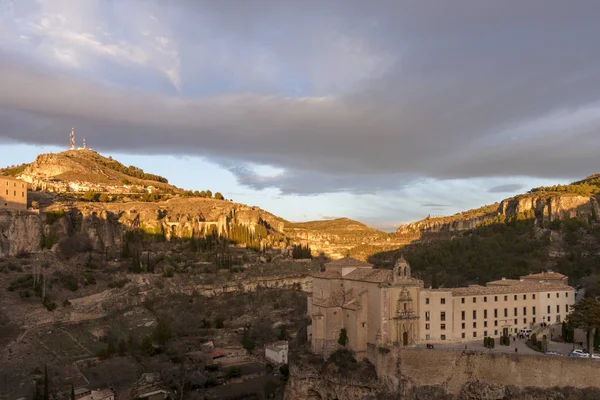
x=86, y=170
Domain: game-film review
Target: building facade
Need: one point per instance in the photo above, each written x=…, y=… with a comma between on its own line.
x=13, y=193
x=277, y=352
x=357, y=306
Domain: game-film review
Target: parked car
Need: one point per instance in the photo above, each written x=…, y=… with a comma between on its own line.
x=579, y=353
x=596, y=356
x=553, y=353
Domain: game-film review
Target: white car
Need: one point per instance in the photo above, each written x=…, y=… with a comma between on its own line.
x=553, y=353
x=579, y=353
x=596, y=356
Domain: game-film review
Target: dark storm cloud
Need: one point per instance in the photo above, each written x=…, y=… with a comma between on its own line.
x=394, y=93
x=509, y=187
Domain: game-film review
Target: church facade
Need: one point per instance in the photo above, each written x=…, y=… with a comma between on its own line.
x=356, y=306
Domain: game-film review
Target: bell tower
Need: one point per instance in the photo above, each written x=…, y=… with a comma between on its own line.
x=401, y=270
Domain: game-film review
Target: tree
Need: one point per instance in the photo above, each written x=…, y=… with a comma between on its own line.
x=247, y=341
x=586, y=315
x=343, y=337
x=110, y=348
x=147, y=347
x=219, y=196
x=163, y=332
x=122, y=348
x=72, y=392
x=46, y=390
x=208, y=194
x=234, y=372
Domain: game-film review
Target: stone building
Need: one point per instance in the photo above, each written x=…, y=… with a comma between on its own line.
x=277, y=352
x=371, y=307
x=13, y=193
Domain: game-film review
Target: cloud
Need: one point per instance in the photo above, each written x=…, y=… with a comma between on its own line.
x=435, y=205
x=506, y=188
x=366, y=100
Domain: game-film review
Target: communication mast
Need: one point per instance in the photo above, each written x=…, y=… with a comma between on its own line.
x=84, y=143
x=73, y=139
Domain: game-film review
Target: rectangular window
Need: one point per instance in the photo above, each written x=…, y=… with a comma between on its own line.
x=557, y=295
x=462, y=315
x=484, y=333
x=427, y=316
x=443, y=316
x=534, y=296
x=462, y=300
x=427, y=300
x=548, y=295
x=533, y=310
x=484, y=313
x=427, y=326
x=516, y=321
x=558, y=318
x=443, y=337
x=515, y=311
x=505, y=298
x=506, y=312
x=474, y=334
x=533, y=320
x=524, y=297
x=22, y=194
x=525, y=321
x=485, y=325
x=474, y=299
x=495, y=298
x=474, y=314
x=495, y=332
x=567, y=294
x=515, y=296
x=443, y=327
x=549, y=310
x=558, y=308
x=495, y=323
x=474, y=325
x=524, y=310
x=567, y=308
x=15, y=193
x=443, y=300
x=463, y=335
x=485, y=299
x=495, y=313
x=463, y=325
x=427, y=337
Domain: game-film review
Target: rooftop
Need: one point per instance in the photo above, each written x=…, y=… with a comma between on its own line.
x=371, y=275
x=516, y=288
x=549, y=275
x=349, y=262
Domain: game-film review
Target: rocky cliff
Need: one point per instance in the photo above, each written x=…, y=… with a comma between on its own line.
x=413, y=374
x=105, y=224
x=20, y=232
x=544, y=206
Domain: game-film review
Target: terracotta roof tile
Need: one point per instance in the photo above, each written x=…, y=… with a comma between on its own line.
x=522, y=288
x=544, y=276
x=371, y=275
x=349, y=262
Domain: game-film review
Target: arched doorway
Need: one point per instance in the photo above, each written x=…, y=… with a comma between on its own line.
x=405, y=339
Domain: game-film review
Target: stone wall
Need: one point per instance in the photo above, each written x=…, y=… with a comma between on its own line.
x=20, y=232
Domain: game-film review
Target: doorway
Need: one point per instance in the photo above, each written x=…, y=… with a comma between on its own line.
x=405, y=339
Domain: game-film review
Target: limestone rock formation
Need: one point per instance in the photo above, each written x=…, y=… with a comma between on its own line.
x=20, y=232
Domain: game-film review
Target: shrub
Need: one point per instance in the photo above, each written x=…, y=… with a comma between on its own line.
x=49, y=304
x=219, y=323
x=234, y=372
x=66, y=303
x=343, y=338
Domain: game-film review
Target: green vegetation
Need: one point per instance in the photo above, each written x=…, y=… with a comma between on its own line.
x=14, y=170
x=301, y=252
x=130, y=171
x=53, y=216
x=585, y=315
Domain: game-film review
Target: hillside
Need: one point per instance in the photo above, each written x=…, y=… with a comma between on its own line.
x=85, y=170
x=338, y=237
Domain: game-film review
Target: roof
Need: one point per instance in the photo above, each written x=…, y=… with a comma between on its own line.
x=517, y=288
x=371, y=275
x=349, y=262
x=11, y=178
x=100, y=395
x=328, y=275
x=336, y=299
x=549, y=275
x=81, y=390
x=505, y=282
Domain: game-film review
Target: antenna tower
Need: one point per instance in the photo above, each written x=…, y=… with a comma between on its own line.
x=84, y=143
x=73, y=139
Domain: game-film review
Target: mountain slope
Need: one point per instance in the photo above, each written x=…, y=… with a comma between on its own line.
x=86, y=170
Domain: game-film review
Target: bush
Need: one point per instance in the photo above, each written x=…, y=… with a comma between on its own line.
x=66, y=303
x=219, y=323
x=49, y=304
x=234, y=372
x=343, y=338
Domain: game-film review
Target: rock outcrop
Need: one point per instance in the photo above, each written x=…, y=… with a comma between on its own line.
x=545, y=207
x=413, y=374
x=20, y=232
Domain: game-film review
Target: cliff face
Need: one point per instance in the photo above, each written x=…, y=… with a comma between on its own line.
x=545, y=207
x=105, y=224
x=20, y=232
x=413, y=374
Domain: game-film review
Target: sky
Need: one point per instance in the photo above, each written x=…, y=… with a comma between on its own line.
x=381, y=111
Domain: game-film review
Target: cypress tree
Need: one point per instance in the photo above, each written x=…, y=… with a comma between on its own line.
x=46, y=392
x=72, y=392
